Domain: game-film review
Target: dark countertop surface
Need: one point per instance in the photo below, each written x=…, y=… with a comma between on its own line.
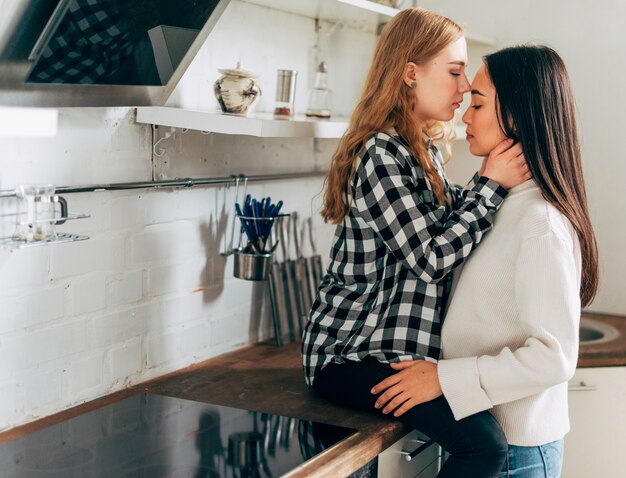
x=267, y=378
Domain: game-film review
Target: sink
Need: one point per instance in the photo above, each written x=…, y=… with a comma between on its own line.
x=596, y=332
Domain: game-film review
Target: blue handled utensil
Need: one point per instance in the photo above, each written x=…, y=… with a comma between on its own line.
x=271, y=214
x=268, y=207
x=257, y=219
x=250, y=232
x=256, y=213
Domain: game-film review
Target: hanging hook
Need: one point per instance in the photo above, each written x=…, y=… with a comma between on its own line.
x=229, y=251
x=161, y=151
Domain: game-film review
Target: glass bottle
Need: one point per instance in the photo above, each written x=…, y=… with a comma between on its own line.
x=320, y=96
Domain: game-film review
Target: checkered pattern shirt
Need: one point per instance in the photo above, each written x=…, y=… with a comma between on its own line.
x=389, y=272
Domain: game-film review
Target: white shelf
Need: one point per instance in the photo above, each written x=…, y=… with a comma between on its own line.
x=372, y=7
x=263, y=125
x=344, y=11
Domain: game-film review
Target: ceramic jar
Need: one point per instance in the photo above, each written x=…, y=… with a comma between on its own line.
x=236, y=91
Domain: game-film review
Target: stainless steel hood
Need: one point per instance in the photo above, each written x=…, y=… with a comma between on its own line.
x=56, y=53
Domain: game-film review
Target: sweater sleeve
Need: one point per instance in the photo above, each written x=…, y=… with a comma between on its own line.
x=387, y=199
x=547, y=281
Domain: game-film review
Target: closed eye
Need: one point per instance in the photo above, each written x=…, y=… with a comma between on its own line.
x=476, y=106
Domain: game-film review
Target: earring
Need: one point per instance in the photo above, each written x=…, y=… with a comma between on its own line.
x=413, y=84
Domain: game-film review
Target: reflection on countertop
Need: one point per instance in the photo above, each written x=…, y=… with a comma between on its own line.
x=158, y=436
x=261, y=378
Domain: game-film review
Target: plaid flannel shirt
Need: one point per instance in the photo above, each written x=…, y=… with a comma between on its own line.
x=389, y=272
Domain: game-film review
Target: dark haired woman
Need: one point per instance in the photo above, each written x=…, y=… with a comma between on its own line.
x=401, y=230
x=510, y=338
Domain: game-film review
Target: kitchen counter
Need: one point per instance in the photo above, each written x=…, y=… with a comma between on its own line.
x=269, y=379
x=607, y=354
x=262, y=378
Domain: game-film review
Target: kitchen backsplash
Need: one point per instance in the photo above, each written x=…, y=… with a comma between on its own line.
x=148, y=293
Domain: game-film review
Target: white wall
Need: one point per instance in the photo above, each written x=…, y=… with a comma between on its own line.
x=149, y=293
x=592, y=42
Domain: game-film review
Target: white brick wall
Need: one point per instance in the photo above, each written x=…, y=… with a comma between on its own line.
x=148, y=293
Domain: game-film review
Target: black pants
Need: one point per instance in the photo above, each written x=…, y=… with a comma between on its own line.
x=476, y=444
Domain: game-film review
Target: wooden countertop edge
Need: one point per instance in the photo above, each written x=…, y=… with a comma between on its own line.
x=351, y=454
x=602, y=361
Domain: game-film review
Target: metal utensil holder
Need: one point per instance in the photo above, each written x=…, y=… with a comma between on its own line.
x=257, y=266
x=252, y=266
x=267, y=247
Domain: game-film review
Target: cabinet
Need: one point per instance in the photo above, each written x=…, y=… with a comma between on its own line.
x=597, y=410
x=392, y=462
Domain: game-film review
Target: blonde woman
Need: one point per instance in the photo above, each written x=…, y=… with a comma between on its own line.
x=401, y=229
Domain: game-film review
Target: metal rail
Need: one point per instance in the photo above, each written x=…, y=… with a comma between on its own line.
x=174, y=183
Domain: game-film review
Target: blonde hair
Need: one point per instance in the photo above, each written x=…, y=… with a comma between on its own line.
x=413, y=35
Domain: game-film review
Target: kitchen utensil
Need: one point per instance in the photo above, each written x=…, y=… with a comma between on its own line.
x=36, y=212
x=277, y=290
x=257, y=219
x=289, y=429
x=315, y=261
x=289, y=296
x=310, y=286
x=285, y=92
x=236, y=91
x=275, y=434
x=230, y=249
x=252, y=266
x=272, y=283
x=245, y=454
x=297, y=275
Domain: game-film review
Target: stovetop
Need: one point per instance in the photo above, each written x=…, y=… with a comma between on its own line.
x=155, y=436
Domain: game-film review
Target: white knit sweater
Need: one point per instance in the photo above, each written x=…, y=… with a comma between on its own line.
x=510, y=337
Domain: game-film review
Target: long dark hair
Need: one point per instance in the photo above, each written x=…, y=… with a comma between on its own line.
x=536, y=108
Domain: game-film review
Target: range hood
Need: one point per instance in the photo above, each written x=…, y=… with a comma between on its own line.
x=56, y=53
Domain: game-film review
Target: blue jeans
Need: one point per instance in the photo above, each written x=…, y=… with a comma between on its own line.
x=542, y=461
